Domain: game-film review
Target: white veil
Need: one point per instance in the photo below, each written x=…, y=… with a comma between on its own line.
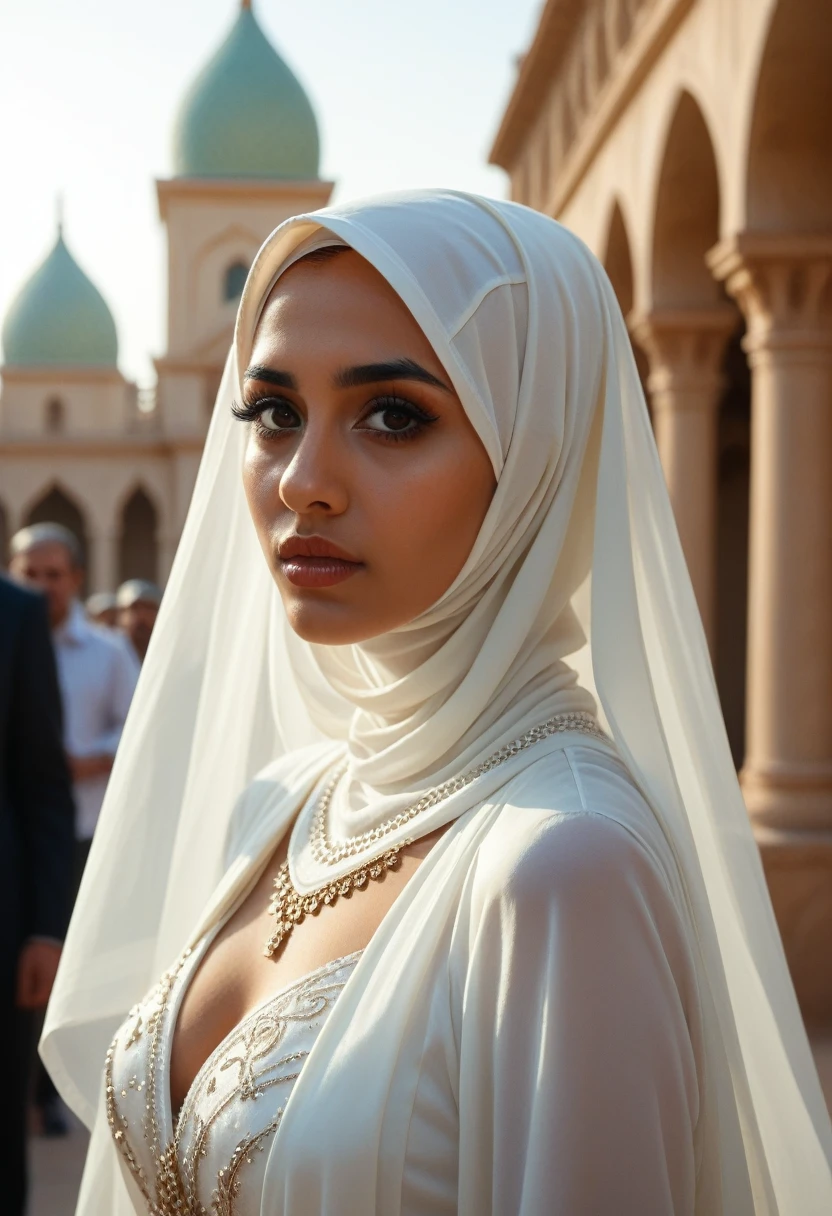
x=221, y=693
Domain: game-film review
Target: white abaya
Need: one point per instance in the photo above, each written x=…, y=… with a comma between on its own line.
x=580, y=1003
x=522, y=1036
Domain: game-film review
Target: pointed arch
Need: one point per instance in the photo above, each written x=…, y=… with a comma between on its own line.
x=618, y=263
x=686, y=218
x=55, y=416
x=234, y=280
x=57, y=506
x=789, y=181
x=732, y=535
x=138, y=550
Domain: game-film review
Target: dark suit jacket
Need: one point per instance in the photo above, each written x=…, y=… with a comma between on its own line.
x=36, y=808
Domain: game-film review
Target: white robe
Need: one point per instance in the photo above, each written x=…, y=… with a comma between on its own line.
x=524, y=1034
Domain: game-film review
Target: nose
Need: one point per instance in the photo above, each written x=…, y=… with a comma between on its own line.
x=315, y=480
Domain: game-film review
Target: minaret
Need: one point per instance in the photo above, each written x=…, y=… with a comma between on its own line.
x=246, y=155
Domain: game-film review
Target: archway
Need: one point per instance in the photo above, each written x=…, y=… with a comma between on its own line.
x=55, y=415
x=56, y=507
x=686, y=222
x=138, y=550
x=618, y=264
x=733, y=491
x=789, y=185
x=234, y=280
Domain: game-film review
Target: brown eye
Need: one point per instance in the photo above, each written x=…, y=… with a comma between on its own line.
x=279, y=416
x=390, y=420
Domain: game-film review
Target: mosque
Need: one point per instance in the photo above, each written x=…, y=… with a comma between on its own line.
x=78, y=443
x=687, y=142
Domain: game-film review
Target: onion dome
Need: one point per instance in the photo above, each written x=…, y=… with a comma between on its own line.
x=246, y=115
x=59, y=318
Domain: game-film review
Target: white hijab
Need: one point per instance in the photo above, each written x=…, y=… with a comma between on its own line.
x=578, y=556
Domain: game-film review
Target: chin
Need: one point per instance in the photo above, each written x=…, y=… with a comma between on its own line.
x=330, y=624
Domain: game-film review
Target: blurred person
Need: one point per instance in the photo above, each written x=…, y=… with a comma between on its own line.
x=36, y=856
x=97, y=675
x=101, y=609
x=137, y=606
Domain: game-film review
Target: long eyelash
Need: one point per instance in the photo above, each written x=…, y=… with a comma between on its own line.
x=421, y=416
x=247, y=411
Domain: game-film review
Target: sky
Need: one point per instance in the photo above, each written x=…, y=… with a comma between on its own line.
x=405, y=94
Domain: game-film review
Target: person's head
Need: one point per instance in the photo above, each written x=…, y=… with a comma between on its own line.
x=366, y=481
x=101, y=608
x=137, y=605
x=49, y=558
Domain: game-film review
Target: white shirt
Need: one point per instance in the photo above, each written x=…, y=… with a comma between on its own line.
x=97, y=676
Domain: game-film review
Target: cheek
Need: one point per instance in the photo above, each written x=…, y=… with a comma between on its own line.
x=261, y=484
x=432, y=517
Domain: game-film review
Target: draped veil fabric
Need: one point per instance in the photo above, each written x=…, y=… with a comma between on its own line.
x=577, y=569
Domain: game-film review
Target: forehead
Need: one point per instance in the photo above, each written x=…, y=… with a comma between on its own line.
x=50, y=553
x=342, y=302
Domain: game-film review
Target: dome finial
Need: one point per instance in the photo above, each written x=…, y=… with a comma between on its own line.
x=245, y=4
x=59, y=212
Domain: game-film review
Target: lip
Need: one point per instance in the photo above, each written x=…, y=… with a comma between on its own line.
x=312, y=561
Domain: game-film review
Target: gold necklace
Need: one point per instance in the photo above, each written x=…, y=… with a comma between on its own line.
x=290, y=907
x=329, y=852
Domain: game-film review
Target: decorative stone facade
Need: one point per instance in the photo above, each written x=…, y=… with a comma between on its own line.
x=687, y=142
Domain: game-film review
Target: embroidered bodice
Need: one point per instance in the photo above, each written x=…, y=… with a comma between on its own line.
x=210, y=1160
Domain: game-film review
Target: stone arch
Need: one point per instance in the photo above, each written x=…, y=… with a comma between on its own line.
x=732, y=534
x=234, y=280
x=56, y=506
x=138, y=548
x=55, y=416
x=789, y=178
x=618, y=263
x=686, y=223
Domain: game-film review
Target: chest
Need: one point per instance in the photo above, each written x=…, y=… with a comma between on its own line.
x=211, y=1155
x=85, y=677
x=235, y=976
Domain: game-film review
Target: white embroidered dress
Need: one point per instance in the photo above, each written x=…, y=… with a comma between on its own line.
x=209, y=1158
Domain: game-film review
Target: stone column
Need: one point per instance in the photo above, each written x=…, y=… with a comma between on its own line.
x=685, y=348
x=784, y=287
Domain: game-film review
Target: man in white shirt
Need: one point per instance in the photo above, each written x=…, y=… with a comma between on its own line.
x=97, y=673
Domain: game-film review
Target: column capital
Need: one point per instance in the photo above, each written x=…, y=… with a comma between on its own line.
x=685, y=347
x=783, y=284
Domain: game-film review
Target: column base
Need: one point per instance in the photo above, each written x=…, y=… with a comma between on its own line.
x=798, y=869
x=791, y=797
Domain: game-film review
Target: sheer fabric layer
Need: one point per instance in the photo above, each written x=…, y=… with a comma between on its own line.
x=578, y=562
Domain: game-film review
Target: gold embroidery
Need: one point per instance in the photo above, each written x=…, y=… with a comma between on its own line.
x=228, y=1182
x=175, y=1183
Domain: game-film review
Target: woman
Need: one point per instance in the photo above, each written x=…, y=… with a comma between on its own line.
x=513, y=962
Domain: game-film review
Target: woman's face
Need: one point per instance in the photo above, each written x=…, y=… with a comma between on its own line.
x=366, y=481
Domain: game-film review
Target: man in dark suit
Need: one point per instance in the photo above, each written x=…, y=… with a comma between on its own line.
x=36, y=855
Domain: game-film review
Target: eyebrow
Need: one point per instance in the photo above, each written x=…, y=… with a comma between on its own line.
x=354, y=377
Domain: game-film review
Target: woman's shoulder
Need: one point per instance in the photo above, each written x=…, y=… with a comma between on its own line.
x=575, y=822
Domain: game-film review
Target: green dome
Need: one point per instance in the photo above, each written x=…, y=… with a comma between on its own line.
x=246, y=114
x=59, y=318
